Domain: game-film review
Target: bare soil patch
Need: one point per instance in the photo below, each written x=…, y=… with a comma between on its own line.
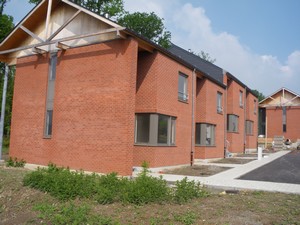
x=17, y=205
x=233, y=161
x=197, y=170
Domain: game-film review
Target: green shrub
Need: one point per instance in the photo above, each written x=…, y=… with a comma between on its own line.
x=186, y=190
x=14, y=162
x=65, y=185
x=71, y=214
x=146, y=189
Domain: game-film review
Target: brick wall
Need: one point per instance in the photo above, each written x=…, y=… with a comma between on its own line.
x=206, y=112
x=236, y=139
x=93, y=113
x=157, y=92
x=274, y=122
x=252, y=115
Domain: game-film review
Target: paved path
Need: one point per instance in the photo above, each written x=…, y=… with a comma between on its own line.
x=228, y=180
x=286, y=169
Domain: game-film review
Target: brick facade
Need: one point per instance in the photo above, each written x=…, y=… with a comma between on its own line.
x=93, y=113
x=206, y=112
x=236, y=139
x=275, y=126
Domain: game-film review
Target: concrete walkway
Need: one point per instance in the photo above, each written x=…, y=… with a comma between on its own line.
x=227, y=180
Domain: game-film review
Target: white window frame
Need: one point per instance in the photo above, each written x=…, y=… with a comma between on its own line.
x=241, y=98
x=219, y=102
x=183, y=94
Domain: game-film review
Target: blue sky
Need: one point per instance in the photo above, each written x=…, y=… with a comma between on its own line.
x=258, y=41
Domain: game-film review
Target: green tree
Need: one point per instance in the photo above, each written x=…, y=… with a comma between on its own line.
x=149, y=25
x=260, y=95
x=205, y=56
x=2, y=5
x=114, y=8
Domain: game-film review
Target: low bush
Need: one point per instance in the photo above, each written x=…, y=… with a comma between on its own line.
x=65, y=185
x=146, y=189
x=14, y=162
x=186, y=190
x=69, y=213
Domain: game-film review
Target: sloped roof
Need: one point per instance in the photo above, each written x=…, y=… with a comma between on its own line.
x=281, y=97
x=212, y=71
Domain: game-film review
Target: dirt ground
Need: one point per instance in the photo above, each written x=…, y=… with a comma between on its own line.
x=17, y=205
x=234, y=160
x=197, y=170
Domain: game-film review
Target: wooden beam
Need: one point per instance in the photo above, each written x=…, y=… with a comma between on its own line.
x=120, y=35
x=110, y=30
x=48, y=18
x=145, y=46
x=38, y=50
x=31, y=34
x=63, y=26
x=62, y=46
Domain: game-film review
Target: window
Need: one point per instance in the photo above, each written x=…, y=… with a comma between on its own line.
x=142, y=127
x=284, y=119
x=255, y=107
x=205, y=134
x=241, y=99
x=219, y=102
x=182, y=87
x=49, y=116
x=50, y=94
x=249, y=127
x=155, y=129
x=52, y=66
x=232, y=123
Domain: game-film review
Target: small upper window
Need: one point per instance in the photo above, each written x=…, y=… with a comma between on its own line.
x=182, y=87
x=241, y=99
x=255, y=107
x=219, y=102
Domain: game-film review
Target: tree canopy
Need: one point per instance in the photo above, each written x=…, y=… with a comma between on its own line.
x=149, y=25
x=260, y=95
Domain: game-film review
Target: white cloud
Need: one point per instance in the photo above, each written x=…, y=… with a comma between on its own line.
x=192, y=29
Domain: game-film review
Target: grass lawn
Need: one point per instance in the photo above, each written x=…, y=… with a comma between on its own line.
x=24, y=205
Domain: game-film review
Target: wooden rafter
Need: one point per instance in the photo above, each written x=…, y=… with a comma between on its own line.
x=110, y=30
x=63, y=26
x=31, y=34
x=62, y=46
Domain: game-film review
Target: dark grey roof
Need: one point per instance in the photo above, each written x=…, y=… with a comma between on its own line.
x=212, y=71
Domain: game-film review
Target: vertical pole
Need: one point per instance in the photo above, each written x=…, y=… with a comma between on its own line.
x=266, y=132
x=193, y=120
x=48, y=18
x=3, y=108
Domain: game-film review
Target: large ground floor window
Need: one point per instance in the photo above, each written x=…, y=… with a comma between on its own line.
x=154, y=129
x=205, y=134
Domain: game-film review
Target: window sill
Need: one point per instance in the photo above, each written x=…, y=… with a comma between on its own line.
x=183, y=101
x=249, y=135
x=234, y=132
x=158, y=145
x=210, y=146
x=241, y=106
x=47, y=137
x=220, y=112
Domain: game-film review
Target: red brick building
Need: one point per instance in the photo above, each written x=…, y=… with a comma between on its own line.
x=280, y=115
x=92, y=95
